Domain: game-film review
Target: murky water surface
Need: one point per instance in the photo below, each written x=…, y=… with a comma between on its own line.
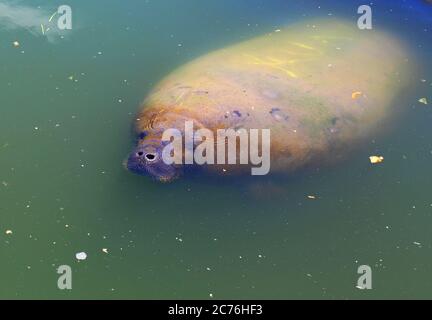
x=66, y=108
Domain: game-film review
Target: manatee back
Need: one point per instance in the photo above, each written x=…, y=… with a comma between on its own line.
x=319, y=86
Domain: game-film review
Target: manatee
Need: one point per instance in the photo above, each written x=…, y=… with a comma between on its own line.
x=320, y=86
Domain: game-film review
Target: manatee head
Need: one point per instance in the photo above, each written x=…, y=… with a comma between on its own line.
x=146, y=159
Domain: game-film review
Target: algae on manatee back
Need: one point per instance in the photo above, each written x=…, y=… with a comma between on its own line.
x=307, y=72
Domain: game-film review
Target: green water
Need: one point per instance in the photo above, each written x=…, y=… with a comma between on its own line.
x=63, y=188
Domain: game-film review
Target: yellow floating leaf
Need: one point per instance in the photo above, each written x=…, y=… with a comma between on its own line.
x=356, y=94
x=376, y=159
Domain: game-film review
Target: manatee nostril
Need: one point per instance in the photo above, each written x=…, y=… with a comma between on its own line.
x=150, y=156
x=140, y=154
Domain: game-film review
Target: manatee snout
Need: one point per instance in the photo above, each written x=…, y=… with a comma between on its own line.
x=146, y=159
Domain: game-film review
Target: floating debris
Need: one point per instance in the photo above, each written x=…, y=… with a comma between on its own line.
x=356, y=95
x=81, y=256
x=42, y=29
x=423, y=100
x=105, y=250
x=52, y=16
x=312, y=197
x=8, y=232
x=376, y=159
x=16, y=44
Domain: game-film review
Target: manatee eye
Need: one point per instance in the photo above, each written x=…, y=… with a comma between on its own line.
x=150, y=157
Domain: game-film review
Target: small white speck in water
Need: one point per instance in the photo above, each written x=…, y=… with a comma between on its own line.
x=81, y=256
